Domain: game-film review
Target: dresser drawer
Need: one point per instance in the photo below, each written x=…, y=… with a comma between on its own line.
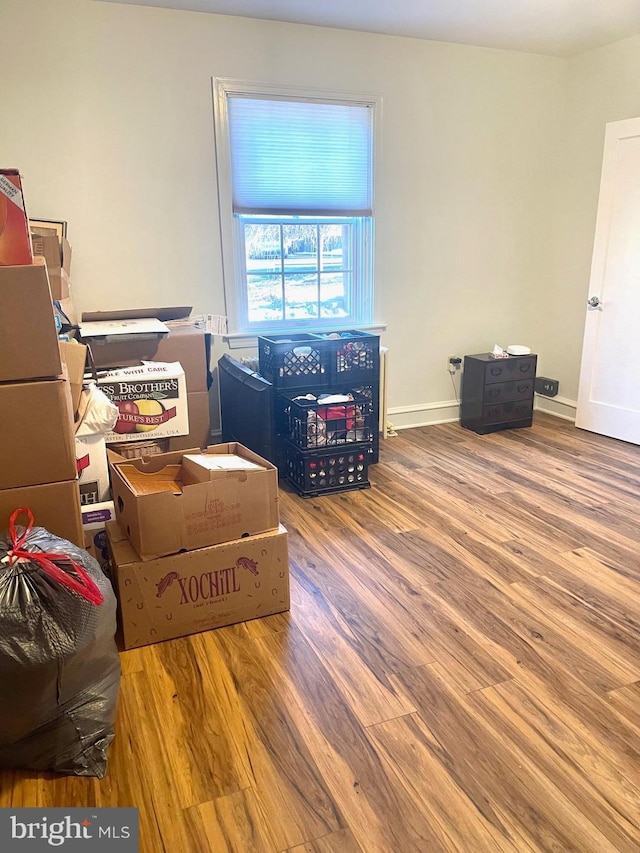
x=498, y=413
x=510, y=369
x=500, y=392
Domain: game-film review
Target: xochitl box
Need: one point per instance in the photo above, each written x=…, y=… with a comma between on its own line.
x=198, y=590
x=152, y=400
x=164, y=506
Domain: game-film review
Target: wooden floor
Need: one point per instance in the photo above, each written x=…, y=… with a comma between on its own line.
x=460, y=669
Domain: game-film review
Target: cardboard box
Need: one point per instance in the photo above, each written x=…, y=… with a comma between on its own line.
x=55, y=506
x=198, y=590
x=152, y=400
x=199, y=423
x=66, y=311
x=94, y=525
x=56, y=252
x=92, y=468
x=28, y=338
x=74, y=356
x=37, y=433
x=184, y=344
x=232, y=505
x=59, y=283
x=15, y=244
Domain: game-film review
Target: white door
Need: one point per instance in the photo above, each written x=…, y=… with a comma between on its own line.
x=609, y=393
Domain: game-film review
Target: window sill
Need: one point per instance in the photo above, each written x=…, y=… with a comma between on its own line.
x=249, y=340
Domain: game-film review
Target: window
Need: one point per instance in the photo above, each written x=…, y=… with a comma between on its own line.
x=295, y=179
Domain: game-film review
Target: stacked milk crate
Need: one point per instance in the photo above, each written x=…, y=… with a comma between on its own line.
x=327, y=390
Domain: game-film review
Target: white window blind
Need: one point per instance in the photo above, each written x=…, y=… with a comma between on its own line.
x=303, y=158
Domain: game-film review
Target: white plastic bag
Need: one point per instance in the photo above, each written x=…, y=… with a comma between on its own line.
x=99, y=414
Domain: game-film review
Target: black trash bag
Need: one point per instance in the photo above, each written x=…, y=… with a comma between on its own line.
x=59, y=665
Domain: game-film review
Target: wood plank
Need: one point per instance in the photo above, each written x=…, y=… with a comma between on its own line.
x=529, y=805
x=458, y=821
x=428, y=553
x=370, y=699
x=291, y=790
x=231, y=824
x=134, y=660
x=583, y=624
x=570, y=756
x=200, y=718
x=382, y=816
x=439, y=503
x=383, y=633
x=520, y=631
x=338, y=842
x=626, y=701
x=141, y=770
x=578, y=530
x=602, y=586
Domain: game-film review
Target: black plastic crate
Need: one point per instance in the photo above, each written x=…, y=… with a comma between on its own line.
x=295, y=361
x=313, y=422
x=354, y=357
x=372, y=393
x=321, y=472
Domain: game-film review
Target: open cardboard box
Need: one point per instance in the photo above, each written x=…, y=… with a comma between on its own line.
x=163, y=509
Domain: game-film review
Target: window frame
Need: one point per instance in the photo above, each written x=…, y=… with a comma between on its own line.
x=233, y=260
x=361, y=269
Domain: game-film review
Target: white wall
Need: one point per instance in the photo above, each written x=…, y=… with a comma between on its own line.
x=106, y=110
x=603, y=85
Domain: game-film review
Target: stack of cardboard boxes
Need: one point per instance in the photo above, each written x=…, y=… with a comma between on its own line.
x=186, y=345
x=38, y=467
x=197, y=543
x=159, y=386
x=41, y=373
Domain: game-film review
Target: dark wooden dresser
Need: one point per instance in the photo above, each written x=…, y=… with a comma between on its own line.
x=497, y=393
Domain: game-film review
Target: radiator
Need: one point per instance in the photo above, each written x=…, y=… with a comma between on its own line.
x=384, y=382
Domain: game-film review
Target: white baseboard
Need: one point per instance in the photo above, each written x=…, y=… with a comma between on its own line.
x=424, y=414
x=561, y=407
x=448, y=411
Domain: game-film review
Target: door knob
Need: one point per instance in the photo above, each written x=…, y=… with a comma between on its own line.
x=594, y=302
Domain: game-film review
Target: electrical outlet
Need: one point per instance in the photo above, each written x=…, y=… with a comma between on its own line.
x=454, y=362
